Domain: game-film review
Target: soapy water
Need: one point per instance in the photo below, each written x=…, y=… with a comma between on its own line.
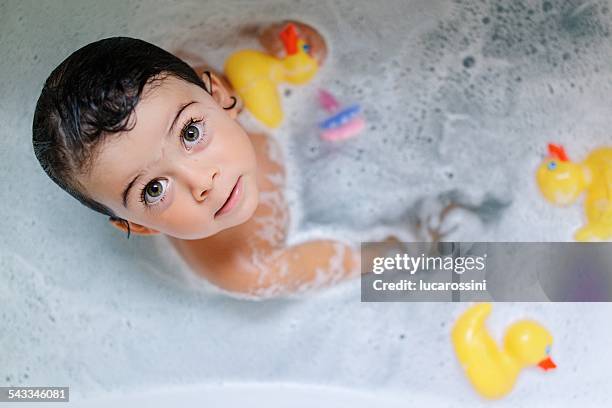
x=460, y=99
x=462, y=111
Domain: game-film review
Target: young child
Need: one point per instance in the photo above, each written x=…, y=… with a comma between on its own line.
x=134, y=133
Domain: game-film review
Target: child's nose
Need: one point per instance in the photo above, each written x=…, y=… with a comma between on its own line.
x=202, y=182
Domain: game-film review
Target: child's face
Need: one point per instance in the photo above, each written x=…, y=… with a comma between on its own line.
x=186, y=169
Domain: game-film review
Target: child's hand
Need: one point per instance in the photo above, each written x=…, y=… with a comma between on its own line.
x=379, y=249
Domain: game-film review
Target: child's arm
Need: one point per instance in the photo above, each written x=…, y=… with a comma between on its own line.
x=292, y=269
x=297, y=268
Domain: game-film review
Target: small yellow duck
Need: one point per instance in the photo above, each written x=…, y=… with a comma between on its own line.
x=491, y=369
x=563, y=181
x=255, y=75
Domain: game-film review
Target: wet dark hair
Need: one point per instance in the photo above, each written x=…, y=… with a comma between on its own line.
x=91, y=95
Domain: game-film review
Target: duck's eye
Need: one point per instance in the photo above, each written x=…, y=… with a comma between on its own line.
x=154, y=191
x=548, y=349
x=306, y=48
x=552, y=165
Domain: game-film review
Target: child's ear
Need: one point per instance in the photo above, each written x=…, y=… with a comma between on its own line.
x=222, y=93
x=134, y=228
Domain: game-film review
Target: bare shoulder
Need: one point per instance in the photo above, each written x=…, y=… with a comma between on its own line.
x=270, y=167
x=226, y=259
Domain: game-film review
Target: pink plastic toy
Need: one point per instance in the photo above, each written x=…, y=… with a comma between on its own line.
x=343, y=123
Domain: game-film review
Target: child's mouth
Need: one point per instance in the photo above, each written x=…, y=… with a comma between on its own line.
x=232, y=200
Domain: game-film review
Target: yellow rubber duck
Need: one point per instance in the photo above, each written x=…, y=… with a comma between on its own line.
x=563, y=181
x=255, y=75
x=493, y=370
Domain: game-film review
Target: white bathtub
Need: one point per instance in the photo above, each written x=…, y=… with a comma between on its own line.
x=284, y=395
x=252, y=395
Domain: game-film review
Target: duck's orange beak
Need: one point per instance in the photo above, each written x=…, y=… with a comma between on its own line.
x=547, y=364
x=557, y=152
x=289, y=37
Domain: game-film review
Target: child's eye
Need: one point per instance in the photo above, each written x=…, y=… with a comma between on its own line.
x=154, y=191
x=192, y=133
